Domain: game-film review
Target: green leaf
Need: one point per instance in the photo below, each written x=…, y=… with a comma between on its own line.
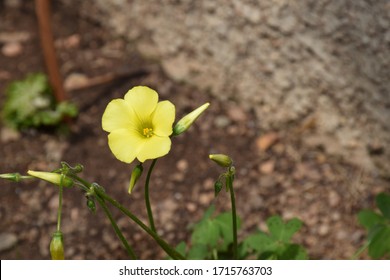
x=181, y=248
x=260, y=242
x=225, y=224
x=208, y=213
x=383, y=203
x=368, y=218
x=281, y=231
x=290, y=229
x=206, y=233
x=380, y=243
x=275, y=227
x=30, y=103
x=293, y=252
x=198, y=252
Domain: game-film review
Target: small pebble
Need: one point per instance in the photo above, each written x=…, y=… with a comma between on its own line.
x=7, y=241
x=12, y=49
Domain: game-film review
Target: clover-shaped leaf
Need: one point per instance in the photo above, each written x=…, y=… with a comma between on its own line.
x=281, y=231
x=369, y=218
x=383, y=203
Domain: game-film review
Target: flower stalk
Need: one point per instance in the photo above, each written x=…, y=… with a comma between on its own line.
x=118, y=232
x=147, y=197
x=225, y=161
x=165, y=246
x=229, y=183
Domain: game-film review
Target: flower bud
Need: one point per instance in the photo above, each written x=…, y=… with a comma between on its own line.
x=217, y=187
x=91, y=205
x=54, y=178
x=57, y=246
x=185, y=123
x=15, y=177
x=221, y=160
x=137, y=172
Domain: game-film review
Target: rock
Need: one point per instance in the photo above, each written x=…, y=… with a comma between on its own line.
x=75, y=80
x=237, y=114
x=72, y=41
x=7, y=241
x=110, y=240
x=323, y=229
x=267, y=167
x=334, y=198
x=55, y=150
x=44, y=245
x=11, y=37
x=222, y=121
x=191, y=207
x=53, y=202
x=9, y=135
x=176, y=68
x=265, y=141
x=5, y=75
x=12, y=49
x=182, y=165
x=13, y=3
x=276, y=59
x=206, y=198
x=268, y=181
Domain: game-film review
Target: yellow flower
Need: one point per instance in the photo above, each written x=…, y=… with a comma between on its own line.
x=139, y=125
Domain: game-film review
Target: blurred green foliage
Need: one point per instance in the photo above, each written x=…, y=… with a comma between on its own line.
x=212, y=238
x=30, y=103
x=378, y=227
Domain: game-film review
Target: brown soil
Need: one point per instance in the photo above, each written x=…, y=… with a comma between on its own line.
x=276, y=173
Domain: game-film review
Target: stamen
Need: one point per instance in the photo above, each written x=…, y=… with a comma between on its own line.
x=148, y=132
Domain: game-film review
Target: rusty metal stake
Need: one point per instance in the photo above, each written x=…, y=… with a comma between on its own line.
x=42, y=9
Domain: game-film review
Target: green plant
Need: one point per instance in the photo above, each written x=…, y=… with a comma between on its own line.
x=140, y=127
x=211, y=237
x=30, y=103
x=277, y=243
x=378, y=228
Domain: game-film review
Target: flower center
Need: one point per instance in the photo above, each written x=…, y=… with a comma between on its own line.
x=148, y=132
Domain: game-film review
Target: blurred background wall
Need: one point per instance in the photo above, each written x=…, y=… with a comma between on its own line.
x=310, y=64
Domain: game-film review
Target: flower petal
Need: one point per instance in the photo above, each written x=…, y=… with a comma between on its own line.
x=117, y=115
x=163, y=118
x=143, y=100
x=154, y=147
x=125, y=144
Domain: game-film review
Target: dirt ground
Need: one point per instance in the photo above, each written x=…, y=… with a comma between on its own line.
x=276, y=172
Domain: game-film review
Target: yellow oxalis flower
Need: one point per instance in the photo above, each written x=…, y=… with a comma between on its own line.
x=139, y=125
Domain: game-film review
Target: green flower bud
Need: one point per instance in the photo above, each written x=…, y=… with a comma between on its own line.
x=57, y=246
x=91, y=205
x=217, y=187
x=137, y=172
x=185, y=123
x=221, y=160
x=14, y=177
x=54, y=178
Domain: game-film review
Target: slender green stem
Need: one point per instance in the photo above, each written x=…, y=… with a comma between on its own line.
x=59, y=212
x=147, y=197
x=116, y=228
x=229, y=182
x=165, y=246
